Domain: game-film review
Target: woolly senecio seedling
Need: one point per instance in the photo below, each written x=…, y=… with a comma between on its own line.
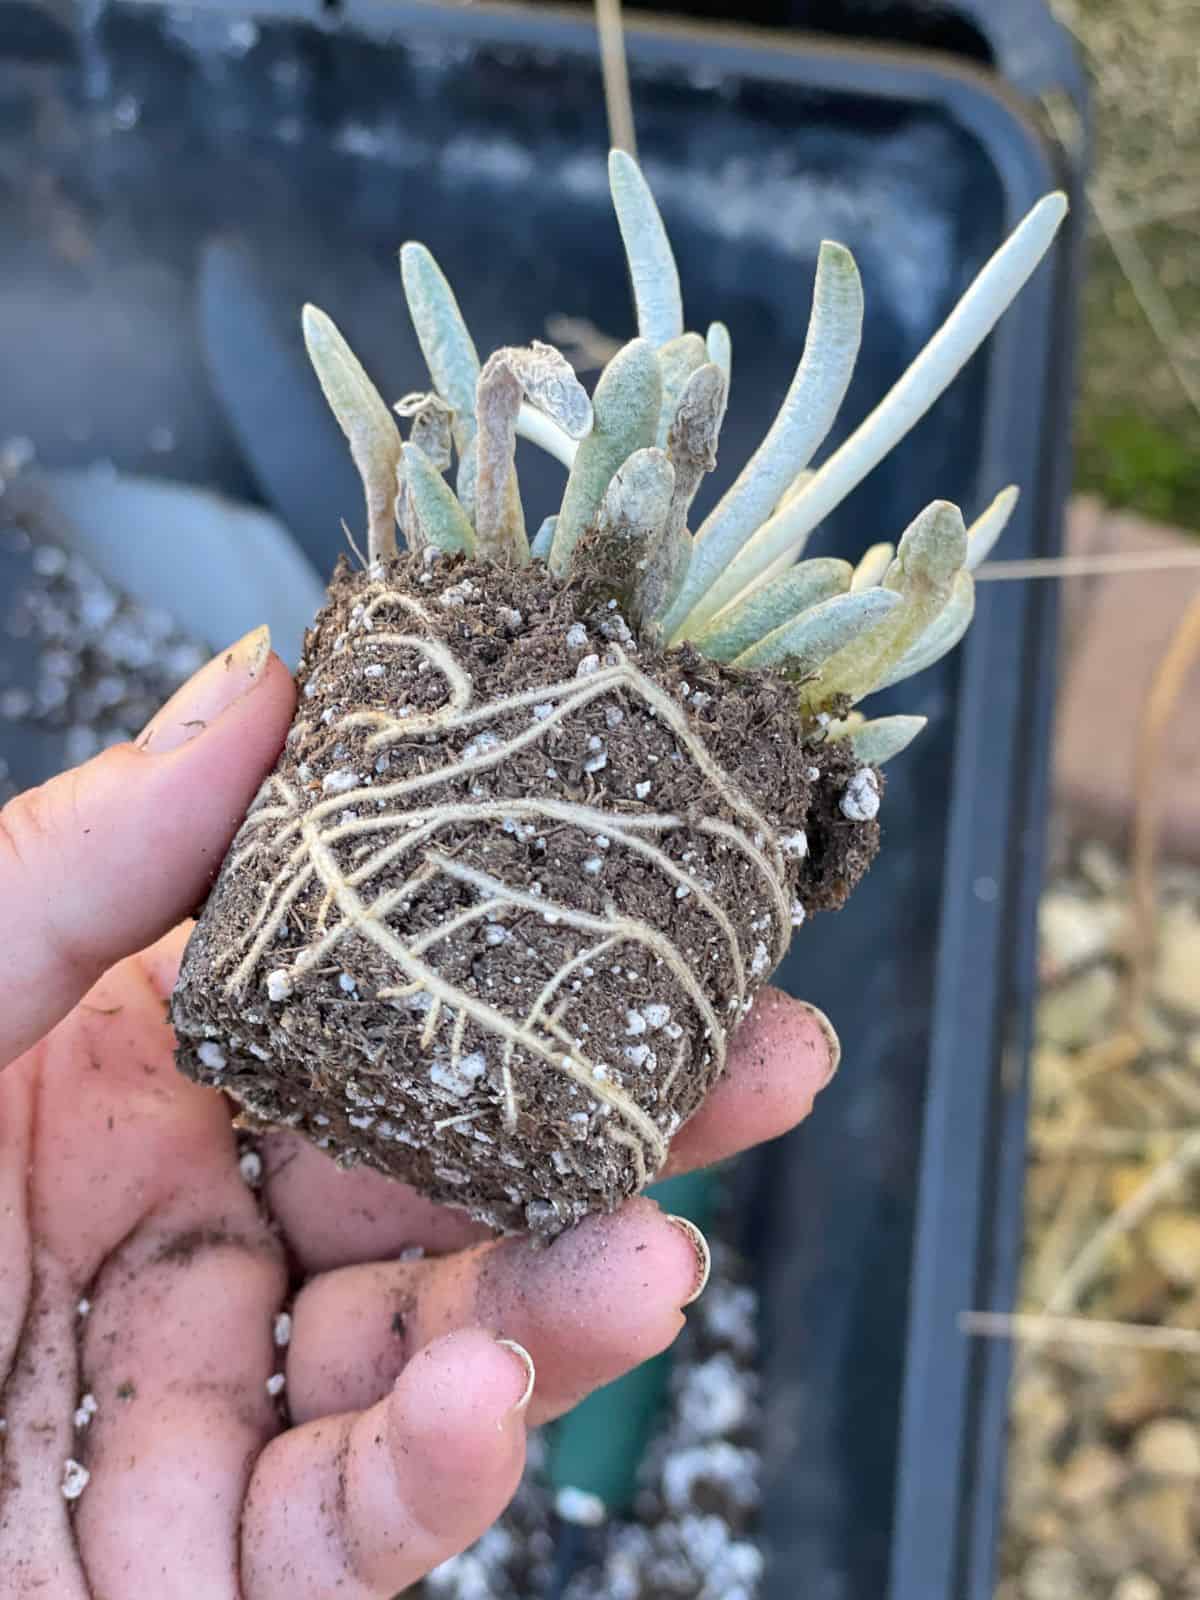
x=550, y=810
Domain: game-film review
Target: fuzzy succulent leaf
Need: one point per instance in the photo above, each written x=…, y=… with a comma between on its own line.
x=443, y=521
x=942, y=634
x=797, y=485
x=499, y=518
x=364, y=418
x=637, y=500
x=677, y=360
x=771, y=607
x=667, y=547
x=807, y=641
x=987, y=527
x=805, y=417
x=625, y=411
x=543, y=539
x=692, y=450
x=544, y=432
x=873, y=566
x=692, y=440
x=442, y=333
x=666, y=568
x=430, y=432
x=928, y=558
x=780, y=540
x=613, y=554
x=510, y=378
x=549, y=383
x=878, y=741
x=406, y=516
x=430, y=428
x=652, y=266
x=720, y=348
x=464, y=482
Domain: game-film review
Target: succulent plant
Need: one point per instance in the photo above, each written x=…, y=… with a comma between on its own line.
x=552, y=807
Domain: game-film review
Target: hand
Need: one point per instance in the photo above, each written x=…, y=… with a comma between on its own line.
x=140, y=1269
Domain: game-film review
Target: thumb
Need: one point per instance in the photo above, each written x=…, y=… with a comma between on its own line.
x=103, y=860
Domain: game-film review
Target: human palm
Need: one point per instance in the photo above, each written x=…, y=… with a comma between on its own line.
x=139, y=1267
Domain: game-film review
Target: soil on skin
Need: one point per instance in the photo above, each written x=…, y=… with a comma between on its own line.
x=691, y=1532
x=629, y=975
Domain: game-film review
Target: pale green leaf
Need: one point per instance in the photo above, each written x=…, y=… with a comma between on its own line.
x=625, y=410
x=781, y=539
x=803, y=644
x=657, y=549
x=769, y=608
x=366, y=421
x=464, y=481
x=651, y=261
x=987, y=528
x=544, y=432
x=613, y=556
x=840, y=727
x=720, y=348
x=805, y=417
x=875, y=742
x=638, y=498
x=798, y=483
x=446, y=344
x=443, y=521
x=543, y=539
x=872, y=566
x=942, y=634
x=929, y=556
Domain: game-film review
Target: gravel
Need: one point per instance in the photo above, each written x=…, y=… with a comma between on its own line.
x=1104, y=1463
x=101, y=662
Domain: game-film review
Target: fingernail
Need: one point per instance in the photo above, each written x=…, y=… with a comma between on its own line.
x=526, y=1361
x=224, y=680
x=703, y=1255
x=833, y=1043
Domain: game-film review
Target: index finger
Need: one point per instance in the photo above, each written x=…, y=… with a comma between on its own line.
x=102, y=860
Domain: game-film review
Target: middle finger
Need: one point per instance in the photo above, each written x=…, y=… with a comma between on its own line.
x=604, y=1296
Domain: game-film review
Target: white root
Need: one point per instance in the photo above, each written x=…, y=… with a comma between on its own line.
x=401, y=821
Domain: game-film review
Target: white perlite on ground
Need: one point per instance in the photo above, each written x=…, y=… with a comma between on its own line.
x=102, y=664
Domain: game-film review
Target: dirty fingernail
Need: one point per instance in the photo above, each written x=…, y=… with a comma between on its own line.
x=703, y=1256
x=222, y=681
x=526, y=1360
x=833, y=1043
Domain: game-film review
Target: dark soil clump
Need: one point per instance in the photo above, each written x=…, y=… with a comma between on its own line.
x=511, y=884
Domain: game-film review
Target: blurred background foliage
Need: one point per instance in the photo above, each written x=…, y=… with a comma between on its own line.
x=1138, y=422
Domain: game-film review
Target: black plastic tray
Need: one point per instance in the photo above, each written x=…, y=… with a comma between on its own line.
x=315, y=143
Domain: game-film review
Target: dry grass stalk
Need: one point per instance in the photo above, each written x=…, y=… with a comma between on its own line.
x=1091, y=1331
